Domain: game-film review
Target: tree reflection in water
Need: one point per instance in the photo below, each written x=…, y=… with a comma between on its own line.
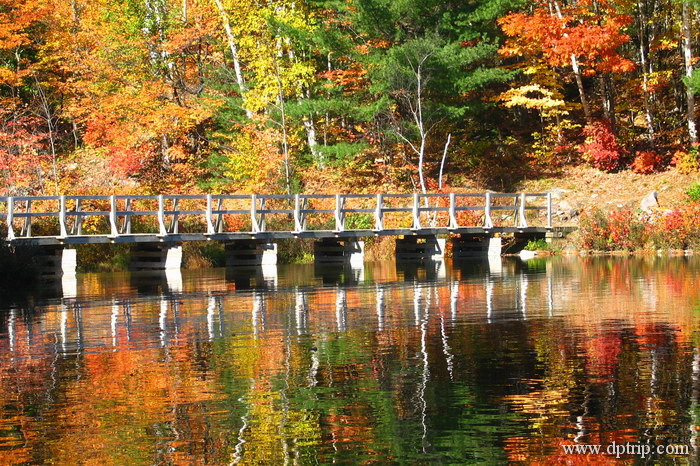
x=457, y=362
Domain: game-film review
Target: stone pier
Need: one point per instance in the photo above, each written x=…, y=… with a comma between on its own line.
x=469, y=246
x=420, y=248
x=250, y=252
x=57, y=261
x=156, y=257
x=330, y=250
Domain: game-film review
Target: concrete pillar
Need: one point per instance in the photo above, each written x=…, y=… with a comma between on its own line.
x=466, y=246
x=340, y=250
x=250, y=252
x=57, y=261
x=420, y=248
x=150, y=256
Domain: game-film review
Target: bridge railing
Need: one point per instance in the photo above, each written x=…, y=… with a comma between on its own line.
x=217, y=213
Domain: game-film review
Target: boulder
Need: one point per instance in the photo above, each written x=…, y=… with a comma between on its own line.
x=566, y=211
x=558, y=193
x=649, y=202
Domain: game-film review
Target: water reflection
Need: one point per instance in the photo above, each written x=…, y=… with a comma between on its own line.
x=434, y=362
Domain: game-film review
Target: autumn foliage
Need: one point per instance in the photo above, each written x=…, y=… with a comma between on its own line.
x=647, y=162
x=237, y=96
x=600, y=148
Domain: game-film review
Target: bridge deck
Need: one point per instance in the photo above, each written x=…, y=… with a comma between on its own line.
x=274, y=235
x=225, y=217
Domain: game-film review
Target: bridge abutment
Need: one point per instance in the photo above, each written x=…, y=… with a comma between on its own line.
x=250, y=252
x=468, y=246
x=149, y=256
x=420, y=248
x=333, y=250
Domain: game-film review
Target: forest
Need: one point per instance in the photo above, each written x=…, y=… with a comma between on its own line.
x=287, y=96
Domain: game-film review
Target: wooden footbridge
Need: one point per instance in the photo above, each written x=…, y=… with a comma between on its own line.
x=169, y=220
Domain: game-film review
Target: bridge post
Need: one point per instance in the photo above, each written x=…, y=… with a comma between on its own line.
x=379, y=213
x=549, y=210
x=453, y=212
x=209, y=217
x=26, y=231
x=255, y=227
x=62, y=216
x=488, y=222
x=10, y=218
x=114, y=231
x=416, y=211
x=298, y=224
x=161, y=216
x=339, y=215
x=522, y=220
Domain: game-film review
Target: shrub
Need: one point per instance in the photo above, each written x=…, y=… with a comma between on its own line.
x=679, y=229
x=693, y=192
x=648, y=162
x=601, y=149
x=537, y=245
x=619, y=230
x=103, y=257
x=687, y=162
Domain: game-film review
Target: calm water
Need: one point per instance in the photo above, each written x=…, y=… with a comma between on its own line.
x=442, y=363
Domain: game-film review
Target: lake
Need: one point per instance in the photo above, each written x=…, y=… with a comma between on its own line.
x=471, y=362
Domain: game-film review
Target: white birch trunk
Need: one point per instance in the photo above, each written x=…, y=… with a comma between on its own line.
x=688, y=59
x=234, y=53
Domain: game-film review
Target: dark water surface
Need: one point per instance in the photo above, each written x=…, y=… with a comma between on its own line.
x=456, y=363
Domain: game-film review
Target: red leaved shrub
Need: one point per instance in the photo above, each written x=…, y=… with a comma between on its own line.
x=618, y=230
x=679, y=229
x=647, y=162
x=601, y=149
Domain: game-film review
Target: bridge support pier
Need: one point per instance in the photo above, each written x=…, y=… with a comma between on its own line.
x=57, y=261
x=339, y=250
x=420, y=247
x=156, y=257
x=250, y=252
x=467, y=246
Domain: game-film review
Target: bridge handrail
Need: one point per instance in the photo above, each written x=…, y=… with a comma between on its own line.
x=298, y=208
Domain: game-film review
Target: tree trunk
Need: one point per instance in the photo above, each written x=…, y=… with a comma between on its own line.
x=283, y=125
x=310, y=128
x=577, y=74
x=688, y=59
x=421, y=127
x=234, y=53
x=608, y=101
x=648, y=112
x=581, y=90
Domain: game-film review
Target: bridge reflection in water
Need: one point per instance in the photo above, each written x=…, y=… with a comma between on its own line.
x=471, y=287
